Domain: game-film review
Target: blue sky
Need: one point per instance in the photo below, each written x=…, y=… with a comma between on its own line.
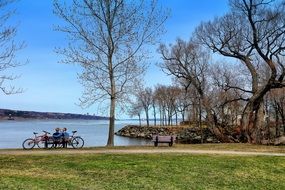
x=52, y=86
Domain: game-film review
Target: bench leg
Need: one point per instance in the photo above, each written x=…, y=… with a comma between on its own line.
x=171, y=142
x=156, y=141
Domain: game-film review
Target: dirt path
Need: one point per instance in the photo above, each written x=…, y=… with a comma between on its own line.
x=136, y=151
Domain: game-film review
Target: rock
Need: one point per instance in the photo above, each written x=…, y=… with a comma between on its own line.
x=265, y=142
x=133, y=134
x=141, y=135
x=197, y=138
x=209, y=140
x=280, y=141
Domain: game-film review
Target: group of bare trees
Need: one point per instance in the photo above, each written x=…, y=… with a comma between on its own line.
x=253, y=33
x=165, y=105
x=244, y=91
x=275, y=111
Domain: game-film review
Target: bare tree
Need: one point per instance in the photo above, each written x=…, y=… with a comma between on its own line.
x=226, y=80
x=108, y=39
x=188, y=61
x=160, y=96
x=252, y=32
x=182, y=102
x=276, y=100
x=144, y=98
x=153, y=104
x=136, y=110
x=171, y=101
x=8, y=48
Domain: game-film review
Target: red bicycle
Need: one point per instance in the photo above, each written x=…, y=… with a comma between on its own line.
x=40, y=140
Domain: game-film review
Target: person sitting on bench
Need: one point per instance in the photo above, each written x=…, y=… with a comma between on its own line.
x=57, y=136
x=65, y=137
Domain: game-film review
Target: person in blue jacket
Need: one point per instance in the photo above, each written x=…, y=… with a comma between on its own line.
x=57, y=135
x=65, y=137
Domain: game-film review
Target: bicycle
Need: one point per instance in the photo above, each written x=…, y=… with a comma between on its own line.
x=42, y=141
x=45, y=141
x=75, y=141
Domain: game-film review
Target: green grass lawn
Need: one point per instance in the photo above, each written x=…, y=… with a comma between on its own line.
x=141, y=171
x=218, y=146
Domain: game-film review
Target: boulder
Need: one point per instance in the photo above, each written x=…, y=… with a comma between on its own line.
x=280, y=141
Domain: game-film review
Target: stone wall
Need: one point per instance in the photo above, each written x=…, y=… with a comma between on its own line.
x=143, y=132
x=183, y=134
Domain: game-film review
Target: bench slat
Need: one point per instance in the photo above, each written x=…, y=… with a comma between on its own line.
x=154, y=137
x=163, y=139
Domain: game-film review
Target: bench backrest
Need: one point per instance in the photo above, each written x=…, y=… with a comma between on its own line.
x=163, y=138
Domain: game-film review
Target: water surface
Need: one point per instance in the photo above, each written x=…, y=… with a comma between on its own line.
x=94, y=133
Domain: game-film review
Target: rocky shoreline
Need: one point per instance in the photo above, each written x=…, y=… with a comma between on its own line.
x=183, y=134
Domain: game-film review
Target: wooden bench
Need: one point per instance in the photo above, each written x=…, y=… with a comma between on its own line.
x=163, y=139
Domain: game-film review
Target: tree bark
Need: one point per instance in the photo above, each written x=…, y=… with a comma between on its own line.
x=147, y=117
x=276, y=123
x=253, y=120
x=110, y=141
x=140, y=120
x=154, y=114
x=200, y=121
x=176, y=118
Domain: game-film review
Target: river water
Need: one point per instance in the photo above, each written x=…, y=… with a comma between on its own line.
x=94, y=132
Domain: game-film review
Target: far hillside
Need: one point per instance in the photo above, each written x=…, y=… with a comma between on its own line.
x=17, y=114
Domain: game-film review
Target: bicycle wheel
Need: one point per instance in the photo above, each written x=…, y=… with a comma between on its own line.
x=77, y=142
x=28, y=144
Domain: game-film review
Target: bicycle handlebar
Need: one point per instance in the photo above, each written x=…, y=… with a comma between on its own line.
x=46, y=132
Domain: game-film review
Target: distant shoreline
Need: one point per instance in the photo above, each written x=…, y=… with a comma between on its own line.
x=46, y=119
x=16, y=115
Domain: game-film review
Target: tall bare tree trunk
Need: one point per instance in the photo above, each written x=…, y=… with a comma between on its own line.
x=200, y=121
x=147, y=118
x=253, y=121
x=111, y=123
x=194, y=114
x=183, y=116
x=160, y=116
x=260, y=123
x=277, y=134
x=176, y=118
x=212, y=123
x=154, y=114
x=248, y=122
x=139, y=115
x=164, y=117
x=110, y=141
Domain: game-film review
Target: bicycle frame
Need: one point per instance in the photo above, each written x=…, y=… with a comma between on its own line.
x=41, y=138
